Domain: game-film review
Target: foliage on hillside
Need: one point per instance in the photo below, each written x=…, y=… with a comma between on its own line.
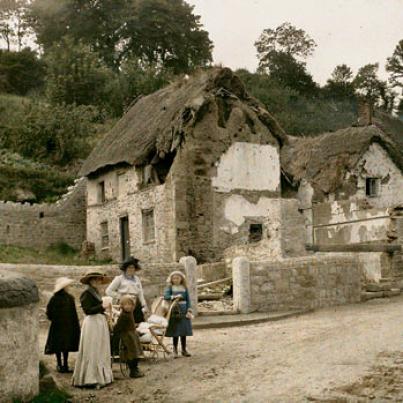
x=18, y=174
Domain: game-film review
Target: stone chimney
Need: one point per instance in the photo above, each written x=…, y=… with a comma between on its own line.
x=365, y=112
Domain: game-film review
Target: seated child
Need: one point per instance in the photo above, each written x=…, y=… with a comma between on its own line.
x=125, y=329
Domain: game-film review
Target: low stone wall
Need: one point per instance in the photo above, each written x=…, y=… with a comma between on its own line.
x=19, y=329
x=297, y=283
x=41, y=225
x=153, y=278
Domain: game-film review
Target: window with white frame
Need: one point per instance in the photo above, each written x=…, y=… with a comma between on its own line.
x=148, y=225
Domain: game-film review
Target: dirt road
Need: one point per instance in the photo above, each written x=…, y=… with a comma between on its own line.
x=331, y=352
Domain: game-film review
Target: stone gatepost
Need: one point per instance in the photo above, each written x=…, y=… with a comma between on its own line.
x=19, y=329
x=241, y=285
x=190, y=265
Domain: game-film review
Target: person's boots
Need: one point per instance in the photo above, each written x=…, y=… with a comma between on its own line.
x=134, y=369
x=185, y=353
x=176, y=352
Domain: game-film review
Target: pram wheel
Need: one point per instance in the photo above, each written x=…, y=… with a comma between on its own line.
x=124, y=367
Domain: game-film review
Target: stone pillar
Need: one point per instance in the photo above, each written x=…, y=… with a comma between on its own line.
x=19, y=329
x=241, y=285
x=190, y=265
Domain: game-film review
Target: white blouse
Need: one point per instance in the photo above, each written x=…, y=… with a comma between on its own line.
x=122, y=285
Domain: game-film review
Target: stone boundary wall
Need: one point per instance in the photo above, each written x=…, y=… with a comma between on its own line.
x=213, y=271
x=19, y=329
x=297, y=283
x=153, y=278
x=41, y=225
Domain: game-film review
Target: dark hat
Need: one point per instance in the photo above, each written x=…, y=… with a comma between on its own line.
x=130, y=261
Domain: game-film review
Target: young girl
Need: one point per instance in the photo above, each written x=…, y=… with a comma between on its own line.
x=125, y=329
x=93, y=365
x=64, y=331
x=180, y=324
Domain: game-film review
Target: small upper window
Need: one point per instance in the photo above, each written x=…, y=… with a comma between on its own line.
x=101, y=192
x=148, y=225
x=255, y=233
x=372, y=187
x=104, y=234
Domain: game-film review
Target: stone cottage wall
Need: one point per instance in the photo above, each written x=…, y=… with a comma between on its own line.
x=19, y=329
x=41, y=225
x=153, y=279
x=125, y=197
x=296, y=283
x=347, y=222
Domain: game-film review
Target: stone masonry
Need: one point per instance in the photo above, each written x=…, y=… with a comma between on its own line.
x=41, y=225
x=298, y=283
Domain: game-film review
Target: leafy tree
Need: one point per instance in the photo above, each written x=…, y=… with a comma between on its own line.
x=133, y=81
x=290, y=73
x=167, y=34
x=98, y=24
x=395, y=65
x=340, y=84
x=53, y=133
x=75, y=74
x=20, y=72
x=387, y=96
x=367, y=83
x=287, y=39
x=299, y=114
x=157, y=32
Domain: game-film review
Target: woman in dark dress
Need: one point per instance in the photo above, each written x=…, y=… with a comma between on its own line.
x=64, y=332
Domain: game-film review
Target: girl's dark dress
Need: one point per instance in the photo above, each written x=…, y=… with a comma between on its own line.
x=125, y=329
x=64, y=332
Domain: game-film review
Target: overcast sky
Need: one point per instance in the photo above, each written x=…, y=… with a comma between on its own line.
x=355, y=32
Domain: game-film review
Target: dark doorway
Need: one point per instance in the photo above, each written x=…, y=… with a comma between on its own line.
x=124, y=237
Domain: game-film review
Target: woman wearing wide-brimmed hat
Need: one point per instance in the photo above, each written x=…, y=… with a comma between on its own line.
x=128, y=283
x=93, y=365
x=64, y=331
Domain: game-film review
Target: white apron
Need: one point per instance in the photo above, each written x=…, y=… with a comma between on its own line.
x=93, y=364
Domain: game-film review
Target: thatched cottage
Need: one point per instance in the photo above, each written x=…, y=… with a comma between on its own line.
x=188, y=170
x=349, y=184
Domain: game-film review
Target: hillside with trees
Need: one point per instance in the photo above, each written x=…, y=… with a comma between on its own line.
x=92, y=60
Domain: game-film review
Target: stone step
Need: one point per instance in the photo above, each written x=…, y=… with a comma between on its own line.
x=367, y=295
x=375, y=287
x=394, y=292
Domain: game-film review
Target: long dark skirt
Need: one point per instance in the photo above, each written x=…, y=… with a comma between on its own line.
x=179, y=327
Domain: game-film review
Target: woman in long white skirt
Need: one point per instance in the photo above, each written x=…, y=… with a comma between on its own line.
x=93, y=365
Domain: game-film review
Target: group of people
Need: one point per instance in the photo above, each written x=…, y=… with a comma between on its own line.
x=93, y=341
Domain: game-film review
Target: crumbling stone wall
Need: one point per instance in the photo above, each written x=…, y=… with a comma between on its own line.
x=41, y=225
x=299, y=283
x=19, y=329
x=284, y=234
x=347, y=222
x=153, y=279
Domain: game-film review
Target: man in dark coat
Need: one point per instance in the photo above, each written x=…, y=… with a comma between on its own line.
x=64, y=332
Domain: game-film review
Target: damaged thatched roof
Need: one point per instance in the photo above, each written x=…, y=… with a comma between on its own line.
x=324, y=160
x=157, y=123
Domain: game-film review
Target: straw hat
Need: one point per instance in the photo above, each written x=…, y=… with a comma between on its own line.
x=94, y=274
x=61, y=283
x=177, y=273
